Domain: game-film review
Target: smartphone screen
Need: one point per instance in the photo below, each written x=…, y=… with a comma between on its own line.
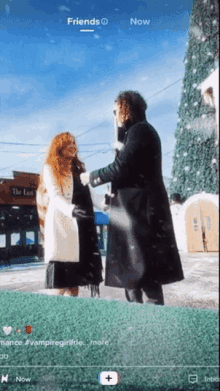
x=62, y=66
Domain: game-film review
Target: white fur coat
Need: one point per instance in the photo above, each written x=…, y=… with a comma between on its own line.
x=61, y=239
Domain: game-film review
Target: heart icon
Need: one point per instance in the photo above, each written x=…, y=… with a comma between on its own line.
x=7, y=330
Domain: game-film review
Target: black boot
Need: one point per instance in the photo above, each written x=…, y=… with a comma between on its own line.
x=153, y=291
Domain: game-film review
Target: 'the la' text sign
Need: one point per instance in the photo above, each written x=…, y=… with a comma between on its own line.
x=22, y=192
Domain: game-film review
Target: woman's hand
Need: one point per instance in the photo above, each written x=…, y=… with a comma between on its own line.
x=85, y=178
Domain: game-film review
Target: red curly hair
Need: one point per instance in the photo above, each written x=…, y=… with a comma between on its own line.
x=60, y=168
x=59, y=165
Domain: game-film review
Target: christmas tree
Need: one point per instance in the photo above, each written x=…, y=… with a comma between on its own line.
x=195, y=160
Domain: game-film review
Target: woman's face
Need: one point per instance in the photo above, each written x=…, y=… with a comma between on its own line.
x=69, y=151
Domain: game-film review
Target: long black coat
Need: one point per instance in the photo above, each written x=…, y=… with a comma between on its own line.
x=141, y=240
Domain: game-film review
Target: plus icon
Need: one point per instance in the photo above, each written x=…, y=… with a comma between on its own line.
x=108, y=378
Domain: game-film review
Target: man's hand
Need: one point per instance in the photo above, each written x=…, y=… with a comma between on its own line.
x=85, y=178
x=118, y=145
x=104, y=206
x=80, y=213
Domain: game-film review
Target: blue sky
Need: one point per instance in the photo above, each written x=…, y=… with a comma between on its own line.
x=55, y=78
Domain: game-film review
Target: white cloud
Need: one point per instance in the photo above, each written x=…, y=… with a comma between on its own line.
x=43, y=150
x=64, y=8
x=15, y=85
x=19, y=89
x=76, y=59
x=27, y=155
x=39, y=159
x=64, y=55
x=7, y=9
x=96, y=36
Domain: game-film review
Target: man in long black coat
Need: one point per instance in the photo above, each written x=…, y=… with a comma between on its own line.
x=142, y=254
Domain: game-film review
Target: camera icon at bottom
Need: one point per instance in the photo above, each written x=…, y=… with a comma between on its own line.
x=109, y=378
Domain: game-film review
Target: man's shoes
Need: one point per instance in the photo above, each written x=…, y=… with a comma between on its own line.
x=134, y=295
x=153, y=292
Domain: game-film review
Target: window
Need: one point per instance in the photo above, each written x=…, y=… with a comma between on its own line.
x=30, y=238
x=15, y=239
x=2, y=241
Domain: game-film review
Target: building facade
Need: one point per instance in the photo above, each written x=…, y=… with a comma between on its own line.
x=19, y=231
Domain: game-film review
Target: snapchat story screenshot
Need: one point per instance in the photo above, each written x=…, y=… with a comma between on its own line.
x=95, y=292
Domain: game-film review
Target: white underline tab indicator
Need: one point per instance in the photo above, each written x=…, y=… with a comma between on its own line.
x=86, y=31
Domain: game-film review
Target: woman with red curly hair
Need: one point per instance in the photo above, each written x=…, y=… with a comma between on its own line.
x=66, y=221
x=142, y=254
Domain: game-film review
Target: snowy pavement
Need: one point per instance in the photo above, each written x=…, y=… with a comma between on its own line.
x=199, y=289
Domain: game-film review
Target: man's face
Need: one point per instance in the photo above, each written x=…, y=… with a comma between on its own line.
x=115, y=109
x=117, y=122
